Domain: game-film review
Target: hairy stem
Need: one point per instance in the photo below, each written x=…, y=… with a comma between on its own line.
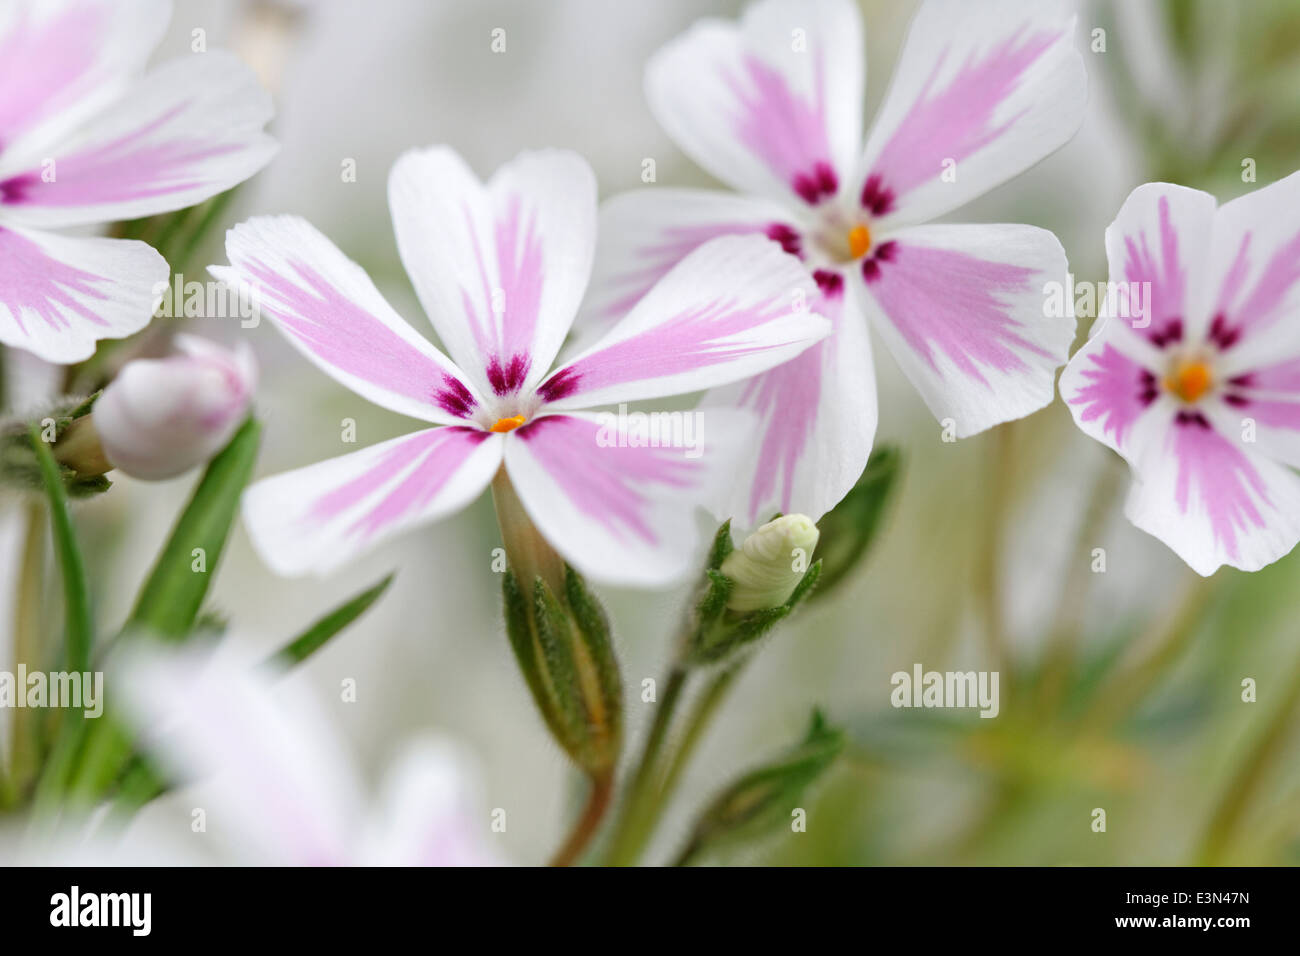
x=636, y=821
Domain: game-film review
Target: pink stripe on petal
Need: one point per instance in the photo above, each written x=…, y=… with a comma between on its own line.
x=674, y=245
x=124, y=169
x=1167, y=275
x=1119, y=390
x=32, y=281
x=437, y=454
x=611, y=485
x=47, y=65
x=1261, y=306
x=952, y=122
x=694, y=339
x=950, y=301
x=1219, y=477
x=346, y=336
x=785, y=130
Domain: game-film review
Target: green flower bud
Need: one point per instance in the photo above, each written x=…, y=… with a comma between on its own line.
x=769, y=565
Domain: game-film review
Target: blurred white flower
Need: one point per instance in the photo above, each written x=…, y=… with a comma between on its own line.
x=273, y=784
x=161, y=417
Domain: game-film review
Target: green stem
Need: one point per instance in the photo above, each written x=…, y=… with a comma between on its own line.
x=1247, y=781
x=27, y=653
x=635, y=823
x=76, y=590
x=702, y=712
x=599, y=797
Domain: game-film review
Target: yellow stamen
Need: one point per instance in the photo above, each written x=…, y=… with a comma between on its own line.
x=508, y=424
x=1189, y=380
x=859, y=241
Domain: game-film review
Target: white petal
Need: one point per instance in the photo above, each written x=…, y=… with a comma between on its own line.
x=618, y=511
x=818, y=418
x=60, y=295
x=500, y=268
x=1212, y=502
x=330, y=310
x=982, y=91
x=270, y=770
x=772, y=105
x=644, y=233
x=63, y=61
x=425, y=816
x=316, y=518
x=190, y=129
x=734, y=307
x=963, y=309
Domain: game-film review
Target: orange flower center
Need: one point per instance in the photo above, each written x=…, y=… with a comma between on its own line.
x=1189, y=380
x=508, y=424
x=859, y=241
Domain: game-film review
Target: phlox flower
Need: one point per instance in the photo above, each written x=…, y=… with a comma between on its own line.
x=262, y=759
x=1200, y=392
x=86, y=139
x=500, y=269
x=772, y=106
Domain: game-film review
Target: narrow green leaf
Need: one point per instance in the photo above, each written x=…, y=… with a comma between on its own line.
x=764, y=798
x=722, y=546
x=171, y=598
x=76, y=591
x=312, y=639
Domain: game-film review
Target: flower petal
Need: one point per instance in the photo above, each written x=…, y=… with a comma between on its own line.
x=616, y=510
x=64, y=60
x=817, y=417
x=500, y=268
x=424, y=817
x=59, y=295
x=962, y=309
x=330, y=310
x=1159, y=250
x=1256, y=277
x=644, y=233
x=317, y=518
x=190, y=129
x=1212, y=502
x=982, y=91
x=734, y=307
x=1110, y=390
x=772, y=105
x=270, y=773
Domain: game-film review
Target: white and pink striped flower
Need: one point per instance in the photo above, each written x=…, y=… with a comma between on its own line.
x=500, y=269
x=86, y=139
x=1201, y=392
x=773, y=106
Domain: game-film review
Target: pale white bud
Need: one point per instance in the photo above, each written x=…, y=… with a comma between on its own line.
x=161, y=417
x=766, y=568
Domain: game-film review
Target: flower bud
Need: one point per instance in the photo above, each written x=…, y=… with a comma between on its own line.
x=770, y=563
x=161, y=417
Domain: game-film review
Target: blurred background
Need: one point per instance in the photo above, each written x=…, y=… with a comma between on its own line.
x=1141, y=665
